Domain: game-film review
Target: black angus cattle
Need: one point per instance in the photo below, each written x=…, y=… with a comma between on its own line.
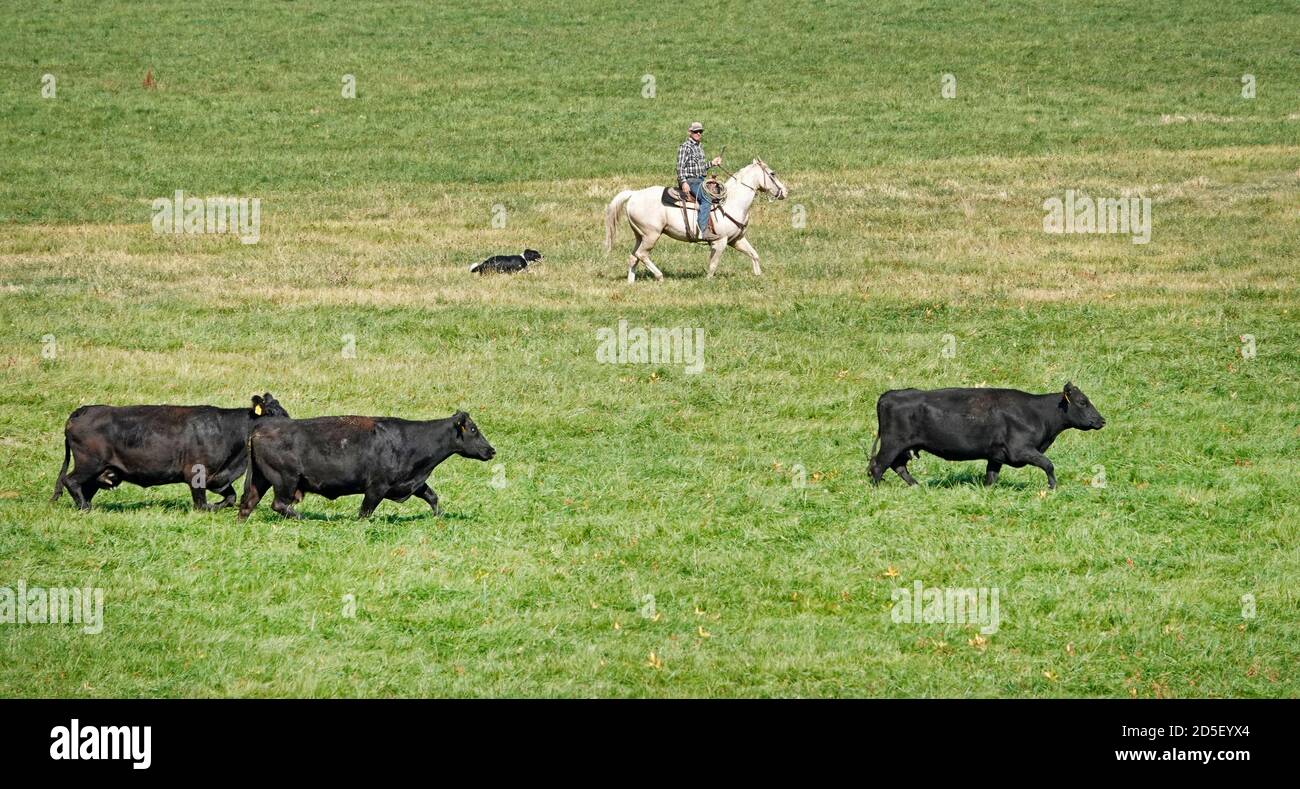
x=506, y=264
x=149, y=445
x=380, y=457
x=1002, y=426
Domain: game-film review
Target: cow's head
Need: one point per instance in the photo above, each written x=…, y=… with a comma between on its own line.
x=266, y=405
x=1079, y=412
x=467, y=441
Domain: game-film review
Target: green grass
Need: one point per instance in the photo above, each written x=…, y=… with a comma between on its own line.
x=924, y=220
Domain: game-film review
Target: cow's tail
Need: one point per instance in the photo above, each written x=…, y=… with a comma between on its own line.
x=871, y=458
x=250, y=471
x=61, y=482
x=611, y=216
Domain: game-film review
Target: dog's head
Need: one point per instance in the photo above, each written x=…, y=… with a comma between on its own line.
x=532, y=255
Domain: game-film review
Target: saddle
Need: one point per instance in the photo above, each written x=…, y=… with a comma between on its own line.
x=673, y=197
x=687, y=203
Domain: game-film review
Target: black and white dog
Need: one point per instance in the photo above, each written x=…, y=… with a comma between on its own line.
x=506, y=264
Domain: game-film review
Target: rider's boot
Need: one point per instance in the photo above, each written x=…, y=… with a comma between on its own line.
x=707, y=232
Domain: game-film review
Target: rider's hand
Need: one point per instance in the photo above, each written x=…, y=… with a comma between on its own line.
x=717, y=160
x=686, y=188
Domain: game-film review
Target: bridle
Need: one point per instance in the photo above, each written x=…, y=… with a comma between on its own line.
x=761, y=186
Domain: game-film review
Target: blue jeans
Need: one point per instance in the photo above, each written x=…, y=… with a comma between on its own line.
x=706, y=202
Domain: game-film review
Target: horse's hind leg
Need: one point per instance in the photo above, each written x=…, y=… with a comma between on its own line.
x=632, y=258
x=643, y=254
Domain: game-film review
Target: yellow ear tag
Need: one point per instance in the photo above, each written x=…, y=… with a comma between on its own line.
x=257, y=409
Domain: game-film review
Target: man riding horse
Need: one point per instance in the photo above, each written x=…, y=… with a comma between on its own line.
x=655, y=212
x=691, y=170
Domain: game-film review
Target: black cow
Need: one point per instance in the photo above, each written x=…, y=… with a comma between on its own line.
x=1002, y=426
x=380, y=457
x=149, y=445
x=506, y=264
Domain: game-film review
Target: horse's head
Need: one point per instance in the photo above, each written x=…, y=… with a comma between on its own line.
x=764, y=180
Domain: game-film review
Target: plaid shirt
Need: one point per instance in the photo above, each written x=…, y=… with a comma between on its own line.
x=690, y=161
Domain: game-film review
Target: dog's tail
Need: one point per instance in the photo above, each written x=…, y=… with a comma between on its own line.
x=611, y=216
x=62, y=481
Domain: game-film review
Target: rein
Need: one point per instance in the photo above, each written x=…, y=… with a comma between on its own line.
x=742, y=183
x=732, y=176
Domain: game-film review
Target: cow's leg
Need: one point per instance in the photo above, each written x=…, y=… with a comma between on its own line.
x=1032, y=457
x=286, y=491
x=200, y=497
x=880, y=462
x=227, y=495
x=426, y=492
x=283, y=504
x=83, y=483
x=370, y=502
x=84, y=492
x=900, y=467
x=991, y=474
x=743, y=245
x=255, y=484
x=716, y=249
x=76, y=491
x=1040, y=460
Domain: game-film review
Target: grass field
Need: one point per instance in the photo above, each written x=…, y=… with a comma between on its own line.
x=646, y=533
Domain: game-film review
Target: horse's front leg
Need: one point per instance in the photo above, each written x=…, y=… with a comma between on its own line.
x=743, y=245
x=715, y=254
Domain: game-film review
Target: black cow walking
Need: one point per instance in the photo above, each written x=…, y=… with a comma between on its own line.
x=149, y=445
x=1002, y=426
x=333, y=456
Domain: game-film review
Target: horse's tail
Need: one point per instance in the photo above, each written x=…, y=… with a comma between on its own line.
x=611, y=216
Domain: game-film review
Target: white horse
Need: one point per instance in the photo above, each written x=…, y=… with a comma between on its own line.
x=649, y=218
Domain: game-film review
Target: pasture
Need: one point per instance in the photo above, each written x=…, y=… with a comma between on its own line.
x=652, y=532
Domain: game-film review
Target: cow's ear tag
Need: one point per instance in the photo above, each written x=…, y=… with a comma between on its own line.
x=257, y=409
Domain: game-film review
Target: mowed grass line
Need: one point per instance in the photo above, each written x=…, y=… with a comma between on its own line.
x=650, y=539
